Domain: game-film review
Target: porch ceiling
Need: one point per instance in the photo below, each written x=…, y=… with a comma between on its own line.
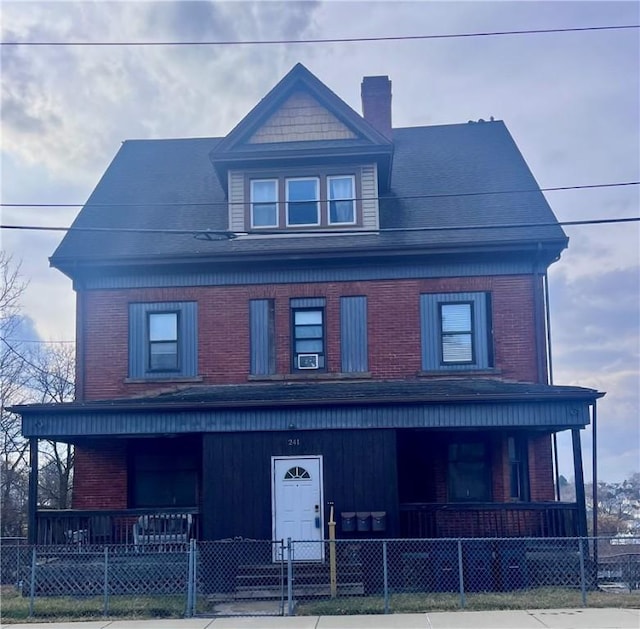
x=447, y=403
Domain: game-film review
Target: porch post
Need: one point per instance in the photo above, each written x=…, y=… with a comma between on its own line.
x=33, y=490
x=579, y=480
x=594, y=454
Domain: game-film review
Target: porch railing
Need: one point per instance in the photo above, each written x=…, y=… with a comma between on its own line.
x=125, y=526
x=534, y=519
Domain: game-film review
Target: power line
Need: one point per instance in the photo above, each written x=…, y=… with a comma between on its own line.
x=331, y=40
x=31, y=364
x=393, y=198
x=204, y=233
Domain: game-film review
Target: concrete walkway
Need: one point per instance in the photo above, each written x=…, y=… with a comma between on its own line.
x=525, y=619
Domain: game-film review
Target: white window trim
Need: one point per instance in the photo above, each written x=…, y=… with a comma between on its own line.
x=317, y=202
x=353, y=200
x=252, y=203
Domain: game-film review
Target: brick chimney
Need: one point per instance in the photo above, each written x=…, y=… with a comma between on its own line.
x=376, y=103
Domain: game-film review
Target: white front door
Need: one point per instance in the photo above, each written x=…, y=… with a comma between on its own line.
x=297, y=506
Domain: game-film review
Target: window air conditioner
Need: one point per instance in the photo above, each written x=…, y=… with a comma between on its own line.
x=308, y=361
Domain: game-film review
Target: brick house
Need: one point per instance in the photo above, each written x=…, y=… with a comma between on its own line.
x=315, y=308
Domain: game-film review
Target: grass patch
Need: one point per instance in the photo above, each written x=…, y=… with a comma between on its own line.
x=15, y=608
x=537, y=598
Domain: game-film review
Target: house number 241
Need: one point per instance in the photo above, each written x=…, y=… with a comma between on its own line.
x=293, y=442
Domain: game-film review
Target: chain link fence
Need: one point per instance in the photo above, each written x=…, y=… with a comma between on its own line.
x=249, y=577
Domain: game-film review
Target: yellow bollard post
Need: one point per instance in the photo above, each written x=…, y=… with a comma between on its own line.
x=333, y=576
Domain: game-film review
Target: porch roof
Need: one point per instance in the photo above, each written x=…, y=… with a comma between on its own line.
x=439, y=403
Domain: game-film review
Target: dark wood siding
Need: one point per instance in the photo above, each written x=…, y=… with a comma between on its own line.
x=359, y=475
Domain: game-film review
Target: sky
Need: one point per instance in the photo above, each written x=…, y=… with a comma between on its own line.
x=570, y=100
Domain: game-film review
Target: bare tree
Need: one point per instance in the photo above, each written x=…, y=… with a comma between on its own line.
x=52, y=381
x=13, y=390
x=44, y=375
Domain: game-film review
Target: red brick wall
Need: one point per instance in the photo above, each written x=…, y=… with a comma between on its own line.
x=223, y=313
x=100, y=475
x=541, y=468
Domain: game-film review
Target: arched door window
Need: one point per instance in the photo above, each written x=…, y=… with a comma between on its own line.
x=297, y=473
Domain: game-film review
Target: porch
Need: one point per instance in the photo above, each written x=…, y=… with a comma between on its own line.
x=166, y=528
x=420, y=520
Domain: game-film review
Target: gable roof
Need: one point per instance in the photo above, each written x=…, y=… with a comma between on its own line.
x=237, y=148
x=298, y=78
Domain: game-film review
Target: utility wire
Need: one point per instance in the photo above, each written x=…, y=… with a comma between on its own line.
x=387, y=198
x=328, y=40
x=36, y=341
x=271, y=232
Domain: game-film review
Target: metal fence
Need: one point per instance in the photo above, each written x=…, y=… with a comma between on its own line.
x=10, y=558
x=249, y=577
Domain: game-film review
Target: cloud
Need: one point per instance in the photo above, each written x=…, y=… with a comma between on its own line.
x=79, y=102
x=596, y=343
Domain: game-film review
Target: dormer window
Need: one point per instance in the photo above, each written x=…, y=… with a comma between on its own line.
x=340, y=196
x=264, y=203
x=325, y=198
x=303, y=201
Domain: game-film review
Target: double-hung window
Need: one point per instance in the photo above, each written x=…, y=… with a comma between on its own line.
x=518, y=468
x=308, y=334
x=163, y=341
x=341, y=200
x=264, y=203
x=456, y=331
x=469, y=474
x=303, y=201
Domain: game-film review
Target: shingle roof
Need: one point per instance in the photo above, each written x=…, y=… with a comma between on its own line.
x=460, y=159
x=338, y=393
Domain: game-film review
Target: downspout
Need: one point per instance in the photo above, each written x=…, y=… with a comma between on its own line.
x=542, y=325
x=547, y=310
x=541, y=349
x=80, y=342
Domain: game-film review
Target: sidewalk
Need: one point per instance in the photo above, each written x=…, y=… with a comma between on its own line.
x=534, y=619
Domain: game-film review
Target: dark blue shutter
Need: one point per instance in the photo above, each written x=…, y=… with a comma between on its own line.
x=353, y=334
x=261, y=331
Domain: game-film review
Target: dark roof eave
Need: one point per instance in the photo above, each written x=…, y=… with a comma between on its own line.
x=588, y=395
x=553, y=246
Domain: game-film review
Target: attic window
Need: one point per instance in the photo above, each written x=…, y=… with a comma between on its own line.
x=306, y=199
x=264, y=203
x=303, y=201
x=340, y=196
